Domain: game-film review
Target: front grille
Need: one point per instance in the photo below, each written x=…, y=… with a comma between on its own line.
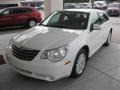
x=24, y=54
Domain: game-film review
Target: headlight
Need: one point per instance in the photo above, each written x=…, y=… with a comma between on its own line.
x=11, y=42
x=55, y=55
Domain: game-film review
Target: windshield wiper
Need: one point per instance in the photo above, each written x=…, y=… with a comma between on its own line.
x=58, y=26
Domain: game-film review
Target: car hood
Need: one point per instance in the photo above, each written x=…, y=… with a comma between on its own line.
x=44, y=38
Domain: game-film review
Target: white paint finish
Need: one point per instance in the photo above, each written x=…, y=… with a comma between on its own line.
x=42, y=37
x=56, y=37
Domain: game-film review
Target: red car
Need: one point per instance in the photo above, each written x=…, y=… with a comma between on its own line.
x=114, y=9
x=19, y=16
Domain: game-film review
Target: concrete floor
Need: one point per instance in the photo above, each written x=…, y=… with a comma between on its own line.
x=102, y=71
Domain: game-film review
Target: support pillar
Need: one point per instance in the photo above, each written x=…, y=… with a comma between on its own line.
x=52, y=5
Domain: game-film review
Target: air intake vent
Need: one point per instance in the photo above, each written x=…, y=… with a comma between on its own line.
x=24, y=54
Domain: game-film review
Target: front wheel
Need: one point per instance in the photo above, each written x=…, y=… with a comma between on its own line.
x=79, y=64
x=107, y=43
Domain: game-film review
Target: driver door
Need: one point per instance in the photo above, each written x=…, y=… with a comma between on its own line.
x=6, y=18
x=94, y=38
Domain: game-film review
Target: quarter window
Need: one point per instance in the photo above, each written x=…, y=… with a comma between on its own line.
x=6, y=12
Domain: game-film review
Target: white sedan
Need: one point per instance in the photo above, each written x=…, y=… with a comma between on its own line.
x=60, y=46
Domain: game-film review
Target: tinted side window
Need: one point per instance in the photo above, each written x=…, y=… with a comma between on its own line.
x=103, y=17
x=27, y=10
x=20, y=10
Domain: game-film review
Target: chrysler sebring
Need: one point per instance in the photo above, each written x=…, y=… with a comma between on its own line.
x=61, y=45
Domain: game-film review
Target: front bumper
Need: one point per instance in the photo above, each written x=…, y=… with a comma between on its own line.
x=38, y=68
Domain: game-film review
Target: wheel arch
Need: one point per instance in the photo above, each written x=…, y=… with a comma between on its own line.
x=31, y=19
x=111, y=30
x=86, y=47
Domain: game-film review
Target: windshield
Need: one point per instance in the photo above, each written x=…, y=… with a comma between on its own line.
x=65, y=19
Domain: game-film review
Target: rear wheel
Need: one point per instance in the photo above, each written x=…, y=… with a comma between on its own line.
x=79, y=64
x=118, y=14
x=31, y=23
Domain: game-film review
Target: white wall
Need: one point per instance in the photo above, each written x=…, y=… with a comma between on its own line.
x=10, y=2
x=52, y=5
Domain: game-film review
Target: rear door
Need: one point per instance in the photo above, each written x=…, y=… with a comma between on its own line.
x=21, y=15
x=94, y=37
x=105, y=26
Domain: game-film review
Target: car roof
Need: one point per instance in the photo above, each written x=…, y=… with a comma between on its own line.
x=20, y=7
x=83, y=10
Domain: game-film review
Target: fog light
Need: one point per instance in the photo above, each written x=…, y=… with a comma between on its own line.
x=45, y=76
x=50, y=77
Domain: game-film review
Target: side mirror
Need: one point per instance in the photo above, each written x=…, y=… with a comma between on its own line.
x=96, y=27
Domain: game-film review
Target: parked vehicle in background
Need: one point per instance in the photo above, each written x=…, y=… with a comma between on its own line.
x=19, y=16
x=100, y=1
x=70, y=5
x=84, y=5
x=61, y=45
x=77, y=5
x=113, y=9
x=100, y=5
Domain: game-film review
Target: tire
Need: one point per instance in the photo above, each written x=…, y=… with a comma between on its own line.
x=118, y=14
x=79, y=64
x=31, y=23
x=107, y=43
